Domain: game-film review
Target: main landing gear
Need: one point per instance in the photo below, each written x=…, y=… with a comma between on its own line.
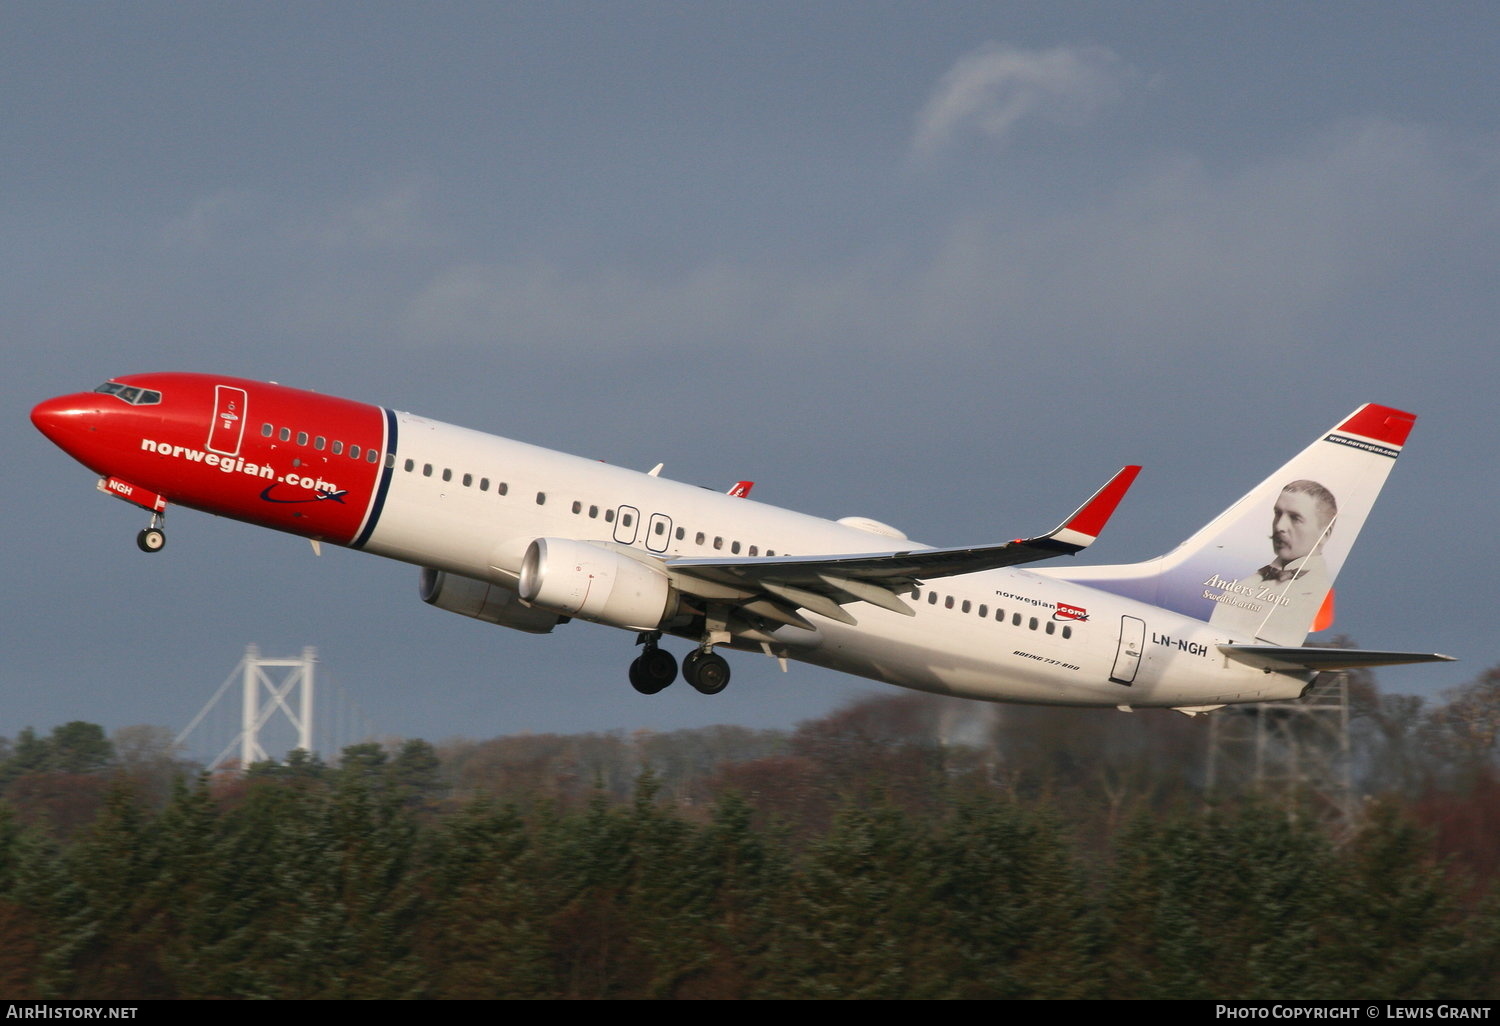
x=706, y=671
x=153, y=538
x=655, y=668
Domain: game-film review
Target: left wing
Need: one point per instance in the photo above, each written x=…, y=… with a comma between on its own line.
x=774, y=588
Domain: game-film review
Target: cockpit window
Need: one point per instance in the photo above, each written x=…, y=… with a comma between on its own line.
x=130, y=394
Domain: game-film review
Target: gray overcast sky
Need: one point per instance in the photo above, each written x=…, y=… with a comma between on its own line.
x=943, y=264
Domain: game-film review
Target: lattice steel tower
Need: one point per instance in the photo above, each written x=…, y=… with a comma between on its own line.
x=1295, y=752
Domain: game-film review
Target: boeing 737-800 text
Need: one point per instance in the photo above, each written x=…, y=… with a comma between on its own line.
x=524, y=537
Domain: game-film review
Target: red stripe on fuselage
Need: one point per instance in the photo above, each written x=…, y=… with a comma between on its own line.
x=287, y=483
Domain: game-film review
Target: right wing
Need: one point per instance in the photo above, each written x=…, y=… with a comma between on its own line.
x=775, y=588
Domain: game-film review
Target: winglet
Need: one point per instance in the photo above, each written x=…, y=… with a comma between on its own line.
x=1086, y=523
x=741, y=489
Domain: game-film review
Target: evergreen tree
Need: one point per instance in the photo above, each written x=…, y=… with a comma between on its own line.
x=79, y=747
x=1397, y=931
x=30, y=754
x=1232, y=905
x=1015, y=917
x=22, y=927
x=416, y=772
x=102, y=950
x=487, y=932
x=856, y=922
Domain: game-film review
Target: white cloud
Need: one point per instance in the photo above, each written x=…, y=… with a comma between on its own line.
x=382, y=218
x=538, y=304
x=1280, y=251
x=1265, y=255
x=210, y=220
x=995, y=87
x=390, y=217
x=1178, y=256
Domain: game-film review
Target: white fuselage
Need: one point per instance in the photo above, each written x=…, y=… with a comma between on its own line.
x=470, y=503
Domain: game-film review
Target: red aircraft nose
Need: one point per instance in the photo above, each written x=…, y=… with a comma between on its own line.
x=67, y=420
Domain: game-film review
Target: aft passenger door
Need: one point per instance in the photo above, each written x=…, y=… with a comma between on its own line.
x=1128, y=654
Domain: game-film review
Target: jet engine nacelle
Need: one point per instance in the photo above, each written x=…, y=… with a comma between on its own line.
x=492, y=603
x=592, y=582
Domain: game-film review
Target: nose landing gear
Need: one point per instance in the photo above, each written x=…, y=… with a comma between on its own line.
x=153, y=538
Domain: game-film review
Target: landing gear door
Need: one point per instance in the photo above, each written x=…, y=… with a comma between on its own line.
x=1128, y=655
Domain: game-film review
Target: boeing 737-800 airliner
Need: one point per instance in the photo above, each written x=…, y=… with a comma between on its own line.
x=527, y=538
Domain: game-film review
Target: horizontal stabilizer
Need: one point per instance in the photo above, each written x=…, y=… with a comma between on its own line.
x=1295, y=658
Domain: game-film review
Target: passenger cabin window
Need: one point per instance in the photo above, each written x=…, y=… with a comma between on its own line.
x=372, y=456
x=410, y=465
x=354, y=453
x=337, y=448
x=447, y=474
x=266, y=430
x=285, y=434
x=541, y=498
x=320, y=443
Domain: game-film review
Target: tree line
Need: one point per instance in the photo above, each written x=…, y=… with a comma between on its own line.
x=903, y=847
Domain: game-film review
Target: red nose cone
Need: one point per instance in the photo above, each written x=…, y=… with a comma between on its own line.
x=66, y=420
x=50, y=416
